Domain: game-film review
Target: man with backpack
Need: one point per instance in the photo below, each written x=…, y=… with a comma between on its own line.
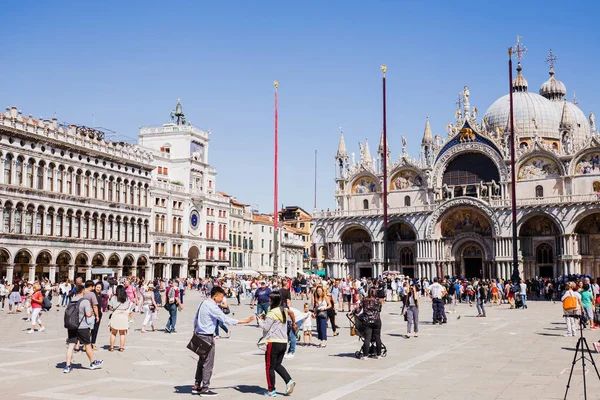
x=79, y=318
x=172, y=303
x=572, y=306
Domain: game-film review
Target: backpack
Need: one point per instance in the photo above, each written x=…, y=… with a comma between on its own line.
x=72, y=320
x=171, y=296
x=46, y=303
x=570, y=303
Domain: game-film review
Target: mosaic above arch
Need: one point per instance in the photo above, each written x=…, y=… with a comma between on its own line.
x=364, y=184
x=539, y=225
x=465, y=220
x=406, y=179
x=538, y=167
x=588, y=164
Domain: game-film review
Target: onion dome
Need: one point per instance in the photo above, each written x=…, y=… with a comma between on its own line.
x=519, y=84
x=553, y=89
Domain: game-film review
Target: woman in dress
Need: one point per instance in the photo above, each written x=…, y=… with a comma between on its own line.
x=320, y=306
x=14, y=298
x=150, y=307
x=120, y=306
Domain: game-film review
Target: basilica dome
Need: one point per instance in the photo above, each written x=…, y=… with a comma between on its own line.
x=537, y=114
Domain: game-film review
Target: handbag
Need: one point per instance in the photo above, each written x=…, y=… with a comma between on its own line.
x=405, y=317
x=197, y=344
x=322, y=314
x=226, y=310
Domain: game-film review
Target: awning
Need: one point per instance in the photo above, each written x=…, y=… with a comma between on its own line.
x=102, y=271
x=244, y=272
x=321, y=272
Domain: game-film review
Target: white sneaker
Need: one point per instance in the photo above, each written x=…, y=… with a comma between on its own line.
x=288, y=356
x=30, y=331
x=42, y=329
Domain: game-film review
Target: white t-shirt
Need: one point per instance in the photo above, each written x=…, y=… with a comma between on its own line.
x=2, y=290
x=523, y=288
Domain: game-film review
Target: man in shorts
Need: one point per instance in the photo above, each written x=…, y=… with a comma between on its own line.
x=82, y=334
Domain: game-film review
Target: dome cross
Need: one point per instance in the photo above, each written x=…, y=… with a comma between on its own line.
x=519, y=49
x=551, y=59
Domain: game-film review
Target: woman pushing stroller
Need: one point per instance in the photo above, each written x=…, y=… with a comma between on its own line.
x=369, y=314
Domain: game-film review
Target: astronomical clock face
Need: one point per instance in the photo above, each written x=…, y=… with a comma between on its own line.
x=194, y=219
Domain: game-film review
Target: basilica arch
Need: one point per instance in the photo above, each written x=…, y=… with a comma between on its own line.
x=588, y=243
x=402, y=239
x=541, y=245
x=476, y=205
x=358, y=250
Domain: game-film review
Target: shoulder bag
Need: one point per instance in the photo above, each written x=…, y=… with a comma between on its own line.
x=197, y=344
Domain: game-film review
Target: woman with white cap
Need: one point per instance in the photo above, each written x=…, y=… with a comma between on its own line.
x=150, y=307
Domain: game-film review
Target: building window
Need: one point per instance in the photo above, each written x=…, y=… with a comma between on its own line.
x=544, y=254
x=8, y=169
x=406, y=257
x=366, y=204
x=50, y=178
x=539, y=191
x=407, y=201
x=30, y=165
x=40, y=177
x=19, y=171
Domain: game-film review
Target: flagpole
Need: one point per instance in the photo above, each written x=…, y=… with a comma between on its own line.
x=515, y=273
x=276, y=186
x=385, y=188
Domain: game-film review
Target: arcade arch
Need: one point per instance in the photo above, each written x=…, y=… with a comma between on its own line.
x=357, y=248
x=401, y=248
x=539, y=236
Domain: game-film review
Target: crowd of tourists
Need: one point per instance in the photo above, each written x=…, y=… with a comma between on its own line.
x=284, y=326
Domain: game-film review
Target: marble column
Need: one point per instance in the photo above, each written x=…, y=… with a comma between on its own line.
x=71, y=272
x=183, y=271
x=88, y=273
x=52, y=273
x=31, y=272
x=10, y=269
x=120, y=270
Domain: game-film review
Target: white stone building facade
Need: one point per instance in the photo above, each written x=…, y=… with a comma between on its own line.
x=190, y=220
x=450, y=209
x=70, y=201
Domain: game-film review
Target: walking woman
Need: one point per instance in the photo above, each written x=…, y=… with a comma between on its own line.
x=150, y=307
x=98, y=293
x=37, y=298
x=320, y=306
x=412, y=311
x=14, y=298
x=331, y=313
x=369, y=313
x=119, y=319
x=274, y=325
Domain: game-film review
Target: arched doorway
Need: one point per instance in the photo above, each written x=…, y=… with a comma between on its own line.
x=588, y=238
x=4, y=263
x=470, y=260
x=63, y=262
x=401, y=245
x=127, y=264
x=357, y=248
x=471, y=174
x=113, y=262
x=22, y=264
x=81, y=265
x=141, y=265
x=193, y=260
x=535, y=231
x=42, y=264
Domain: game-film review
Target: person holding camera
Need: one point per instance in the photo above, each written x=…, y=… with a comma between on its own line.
x=572, y=306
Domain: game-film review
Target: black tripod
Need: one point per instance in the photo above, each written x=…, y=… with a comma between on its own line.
x=580, y=343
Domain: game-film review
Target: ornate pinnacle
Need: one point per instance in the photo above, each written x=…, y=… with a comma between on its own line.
x=383, y=69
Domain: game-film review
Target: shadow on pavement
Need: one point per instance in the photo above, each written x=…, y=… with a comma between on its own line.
x=185, y=389
x=350, y=355
x=249, y=389
x=548, y=334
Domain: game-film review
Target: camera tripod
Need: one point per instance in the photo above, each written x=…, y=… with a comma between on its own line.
x=580, y=349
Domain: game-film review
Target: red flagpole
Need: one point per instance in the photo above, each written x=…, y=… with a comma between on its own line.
x=385, y=188
x=276, y=183
x=515, y=272
x=276, y=187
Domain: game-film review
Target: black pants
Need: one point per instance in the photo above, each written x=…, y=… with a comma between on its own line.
x=204, y=368
x=331, y=316
x=96, y=327
x=438, y=310
x=273, y=363
x=372, y=332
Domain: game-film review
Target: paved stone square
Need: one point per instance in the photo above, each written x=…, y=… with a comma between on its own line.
x=511, y=354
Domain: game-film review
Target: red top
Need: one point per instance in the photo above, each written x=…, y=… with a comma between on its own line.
x=38, y=296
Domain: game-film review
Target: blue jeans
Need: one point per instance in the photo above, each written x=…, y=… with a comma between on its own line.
x=322, y=328
x=262, y=308
x=65, y=300
x=524, y=300
x=292, y=340
x=172, y=309
x=222, y=325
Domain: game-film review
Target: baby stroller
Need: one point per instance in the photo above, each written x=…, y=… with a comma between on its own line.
x=355, y=326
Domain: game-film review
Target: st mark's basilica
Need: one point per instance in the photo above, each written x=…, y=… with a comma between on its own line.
x=450, y=209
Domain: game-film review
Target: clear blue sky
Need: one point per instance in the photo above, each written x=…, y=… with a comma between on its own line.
x=127, y=63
